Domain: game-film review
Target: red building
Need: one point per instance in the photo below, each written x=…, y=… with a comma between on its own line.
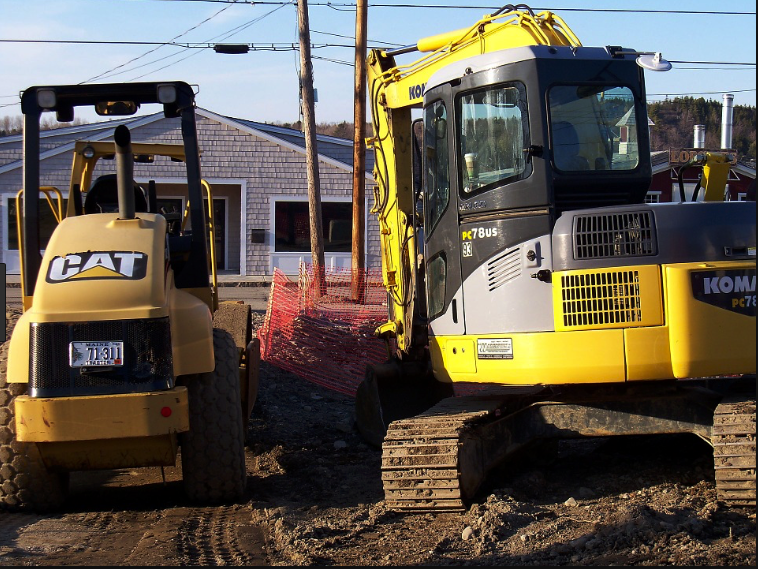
x=665, y=184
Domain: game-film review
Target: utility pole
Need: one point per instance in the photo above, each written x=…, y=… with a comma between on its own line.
x=311, y=149
x=359, y=154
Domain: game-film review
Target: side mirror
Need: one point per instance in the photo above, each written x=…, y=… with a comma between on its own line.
x=65, y=114
x=117, y=108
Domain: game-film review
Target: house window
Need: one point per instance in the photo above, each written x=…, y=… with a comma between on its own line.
x=170, y=206
x=292, y=227
x=653, y=197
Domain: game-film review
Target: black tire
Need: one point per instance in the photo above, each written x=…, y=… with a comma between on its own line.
x=26, y=485
x=213, y=450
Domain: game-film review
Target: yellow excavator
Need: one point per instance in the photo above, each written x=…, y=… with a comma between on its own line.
x=123, y=356
x=533, y=294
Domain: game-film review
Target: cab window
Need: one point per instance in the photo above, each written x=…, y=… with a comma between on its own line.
x=593, y=127
x=492, y=132
x=436, y=164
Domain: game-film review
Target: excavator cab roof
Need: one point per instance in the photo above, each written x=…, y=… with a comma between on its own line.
x=493, y=60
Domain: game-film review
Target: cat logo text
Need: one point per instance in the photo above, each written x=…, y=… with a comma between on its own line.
x=102, y=265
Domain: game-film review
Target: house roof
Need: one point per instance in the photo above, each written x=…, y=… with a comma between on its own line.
x=338, y=148
x=660, y=160
x=335, y=151
x=57, y=141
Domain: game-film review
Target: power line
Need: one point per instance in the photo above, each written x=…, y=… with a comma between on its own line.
x=110, y=42
x=353, y=38
x=152, y=50
x=700, y=93
x=222, y=36
x=287, y=46
x=710, y=62
x=274, y=46
x=481, y=7
x=199, y=47
x=713, y=69
x=330, y=60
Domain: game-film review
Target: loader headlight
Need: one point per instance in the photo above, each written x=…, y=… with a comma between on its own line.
x=88, y=152
x=167, y=93
x=46, y=98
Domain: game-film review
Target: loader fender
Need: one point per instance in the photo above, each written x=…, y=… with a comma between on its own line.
x=18, y=351
x=191, y=333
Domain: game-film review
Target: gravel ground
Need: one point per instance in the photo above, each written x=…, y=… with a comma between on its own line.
x=314, y=497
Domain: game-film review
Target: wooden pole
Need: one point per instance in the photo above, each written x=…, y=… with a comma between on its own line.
x=359, y=154
x=311, y=148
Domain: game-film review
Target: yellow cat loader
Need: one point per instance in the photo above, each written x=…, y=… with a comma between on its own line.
x=123, y=356
x=533, y=294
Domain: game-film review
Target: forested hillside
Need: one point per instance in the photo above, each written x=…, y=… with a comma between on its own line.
x=675, y=122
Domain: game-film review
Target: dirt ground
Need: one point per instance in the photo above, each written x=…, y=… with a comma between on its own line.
x=314, y=497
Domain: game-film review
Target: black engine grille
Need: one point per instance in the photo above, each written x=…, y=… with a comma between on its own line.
x=628, y=234
x=148, y=363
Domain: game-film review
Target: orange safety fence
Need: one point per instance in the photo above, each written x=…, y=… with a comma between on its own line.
x=326, y=338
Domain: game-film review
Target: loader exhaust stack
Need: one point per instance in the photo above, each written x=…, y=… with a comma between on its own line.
x=125, y=172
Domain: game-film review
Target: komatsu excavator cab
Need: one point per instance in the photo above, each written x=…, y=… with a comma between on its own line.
x=535, y=131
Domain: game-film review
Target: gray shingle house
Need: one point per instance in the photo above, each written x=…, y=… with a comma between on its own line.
x=259, y=181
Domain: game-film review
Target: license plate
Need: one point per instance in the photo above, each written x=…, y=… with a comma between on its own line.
x=91, y=354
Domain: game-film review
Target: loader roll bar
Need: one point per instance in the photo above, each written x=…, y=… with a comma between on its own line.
x=178, y=100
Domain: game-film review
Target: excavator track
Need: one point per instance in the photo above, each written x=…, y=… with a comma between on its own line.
x=436, y=461
x=420, y=455
x=734, y=451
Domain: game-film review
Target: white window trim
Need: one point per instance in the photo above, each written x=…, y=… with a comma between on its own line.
x=242, y=183
x=305, y=256
x=657, y=193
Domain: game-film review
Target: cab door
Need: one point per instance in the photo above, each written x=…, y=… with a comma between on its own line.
x=442, y=242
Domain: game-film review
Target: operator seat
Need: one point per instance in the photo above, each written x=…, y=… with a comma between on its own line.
x=103, y=196
x=566, y=148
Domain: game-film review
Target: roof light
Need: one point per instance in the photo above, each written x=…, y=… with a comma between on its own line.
x=653, y=62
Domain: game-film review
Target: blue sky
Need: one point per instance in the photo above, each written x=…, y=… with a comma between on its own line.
x=263, y=85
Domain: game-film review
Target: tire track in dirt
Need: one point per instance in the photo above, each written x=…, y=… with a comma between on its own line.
x=219, y=536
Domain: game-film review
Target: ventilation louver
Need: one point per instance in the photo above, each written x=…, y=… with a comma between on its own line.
x=504, y=268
